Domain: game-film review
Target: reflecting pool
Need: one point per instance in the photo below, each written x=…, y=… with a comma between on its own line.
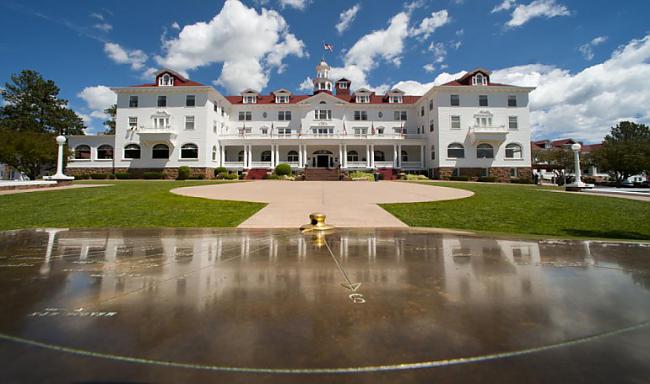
x=204, y=305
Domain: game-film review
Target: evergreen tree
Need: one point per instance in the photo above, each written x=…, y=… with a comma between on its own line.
x=110, y=122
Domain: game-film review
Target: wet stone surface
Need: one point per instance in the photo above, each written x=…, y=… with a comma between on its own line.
x=277, y=306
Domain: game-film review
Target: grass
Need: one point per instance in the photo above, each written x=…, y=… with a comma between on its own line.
x=135, y=204
x=530, y=210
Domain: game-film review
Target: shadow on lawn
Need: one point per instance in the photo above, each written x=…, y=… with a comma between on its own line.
x=607, y=234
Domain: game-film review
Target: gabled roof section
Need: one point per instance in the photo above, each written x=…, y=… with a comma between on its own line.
x=466, y=80
x=250, y=91
x=179, y=80
x=363, y=91
x=281, y=91
x=343, y=80
x=395, y=91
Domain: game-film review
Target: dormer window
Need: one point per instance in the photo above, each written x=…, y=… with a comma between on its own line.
x=166, y=80
x=363, y=99
x=250, y=99
x=282, y=99
x=395, y=99
x=343, y=85
x=479, y=79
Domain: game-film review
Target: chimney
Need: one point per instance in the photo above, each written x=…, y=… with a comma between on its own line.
x=343, y=87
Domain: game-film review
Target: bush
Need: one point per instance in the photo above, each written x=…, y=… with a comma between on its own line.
x=122, y=175
x=197, y=177
x=111, y=176
x=183, y=173
x=219, y=170
x=362, y=175
x=272, y=177
x=459, y=178
x=153, y=175
x=231, y=176
x=416, y=177
x=521, y=181
x=99, y=176
x=487, y=179
x=283, y=169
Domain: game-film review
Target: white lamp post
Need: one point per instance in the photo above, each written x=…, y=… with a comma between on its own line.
x=59, y=176
x=577, y=185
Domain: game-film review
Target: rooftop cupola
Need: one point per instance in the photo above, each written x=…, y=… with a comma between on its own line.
x=322, y=83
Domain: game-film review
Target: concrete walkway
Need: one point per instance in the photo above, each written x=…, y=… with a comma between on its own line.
x=346, y=204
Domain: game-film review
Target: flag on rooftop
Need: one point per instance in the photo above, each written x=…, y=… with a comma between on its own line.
x=328, y=47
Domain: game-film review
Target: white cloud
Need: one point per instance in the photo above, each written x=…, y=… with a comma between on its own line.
x=429, y=68
x=104, y=27
x=136, y=58
x=439, y=52
x=346, y=18
x=297, y=4
x=176, y=26
x=586, y=104
x=248, y=43
x=430, y=24
x=538, y=8
x=97, y=99
x=97, y=16
x=587, y=49
x=505, y=5
x=412, y=87
x=306, y=85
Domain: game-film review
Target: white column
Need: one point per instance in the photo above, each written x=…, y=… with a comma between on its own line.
x=422, y=158
x=277, y=154
x=399, y=156
x=372, y=156
x=300, y=159
x=304, y=158
x=222, y=155
x=345, y=156
x=341, y=155
x=273, y=159
x=367, y=155
x=394, y=155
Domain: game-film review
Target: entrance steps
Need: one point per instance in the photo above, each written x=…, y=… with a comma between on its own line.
x=256, y=173
x=388, y=173
x=322, y=174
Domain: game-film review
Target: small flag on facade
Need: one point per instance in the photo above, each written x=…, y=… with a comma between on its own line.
x=345, y=131
x=372, y=128
x=328, y=47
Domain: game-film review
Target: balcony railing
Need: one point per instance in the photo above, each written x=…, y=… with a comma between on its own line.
x=311, y=135
x=411, y=165
x=153, y=134
x=260, y=164
x=233, y=164
x=165, y=129
x=490, y=129
x=384, y=164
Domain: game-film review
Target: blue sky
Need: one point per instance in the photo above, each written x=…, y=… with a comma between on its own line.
x=589, y=59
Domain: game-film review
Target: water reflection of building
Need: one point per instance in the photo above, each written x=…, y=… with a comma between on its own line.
x=200, y=266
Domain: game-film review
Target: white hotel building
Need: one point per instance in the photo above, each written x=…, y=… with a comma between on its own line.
x=469, y=126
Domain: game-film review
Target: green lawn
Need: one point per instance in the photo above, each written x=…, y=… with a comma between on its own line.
x=527, y=209
x=129, y=203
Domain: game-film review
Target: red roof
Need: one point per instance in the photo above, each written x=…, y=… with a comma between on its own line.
x=456, y=83
x=179, y=81
x=270, y=99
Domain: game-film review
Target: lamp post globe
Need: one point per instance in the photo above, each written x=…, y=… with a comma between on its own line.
x=576, y=147
x=60, y=139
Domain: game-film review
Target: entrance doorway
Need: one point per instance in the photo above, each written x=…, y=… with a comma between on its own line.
x=323, y=159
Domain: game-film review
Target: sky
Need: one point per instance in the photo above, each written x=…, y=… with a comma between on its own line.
x=589, y=59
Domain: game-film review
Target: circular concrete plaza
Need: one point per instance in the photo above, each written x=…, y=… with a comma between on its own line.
x=346, y=204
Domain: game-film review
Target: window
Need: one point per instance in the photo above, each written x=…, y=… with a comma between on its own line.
x=431, y=105
x=343, y=85
x=190, y=101
x=284, y=115
x=455, y=151
x=265, y=156
x=214, y=153
x=189, y=122
x=485, y=172
x=325, y=131
x=513, y=172
x=292, y=157
x=360, y=115
x=483, y=120
x=82, y=152
x=363, y=99
x=380, y=130
x=512, y=101
x=433, y=152
x=479, y=79
x=353, y=156
x=133, y=122
x=166, y=80
x=264, y=130
x=160, y=151
x=132, y=151
x=214, y=126
x=284, y=131
x=240, y=156
x=251, y=99
x=189, y=151
x=483, y=101
x=133, y=101
x=484, y=151
x=455, y=122
x=513, y=151
x=405, y=156
x=512, y=122
x=380, y=114
x=431, y=126
x=456, y=172
x=323, y=114
x=396, y=99
x=422, y=111
x=104, y=152
x=360, y=131
x=400, y=115
x=215, y=107
x=248, y=116
x=282, y=99
x=454, y=100
x=379, y=156
x=162, y=101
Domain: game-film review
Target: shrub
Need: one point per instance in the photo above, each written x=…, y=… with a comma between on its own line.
x=220, y=170
x=111, y=176
x=122, y=175
x=487, y=179
x=183, y=173
x=152, y=175
x=521, y=181
x=197, y=177
x=221, y=175
x=359, y=175
x=283, y=169
x=416, y=177
x=459, y=178
x=272, y=177
x=99, y=176
x=231, y=176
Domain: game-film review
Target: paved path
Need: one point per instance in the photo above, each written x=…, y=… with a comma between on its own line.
x=45, y=189
x=346, y=204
